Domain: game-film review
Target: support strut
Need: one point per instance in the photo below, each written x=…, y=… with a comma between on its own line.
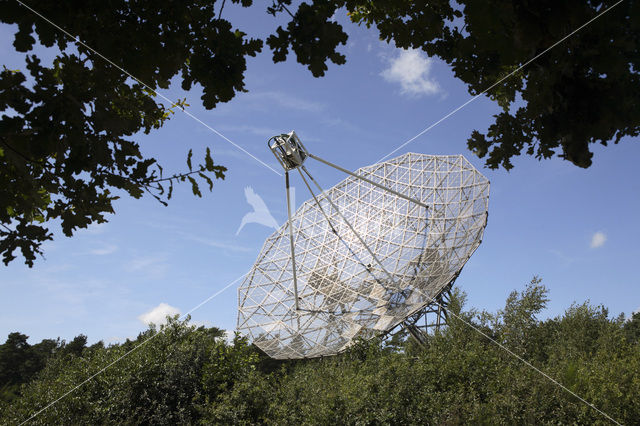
x=293, y=252
x=406, y=197
x=333, y=205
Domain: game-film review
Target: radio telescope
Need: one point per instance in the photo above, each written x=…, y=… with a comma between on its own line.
x=377, y=250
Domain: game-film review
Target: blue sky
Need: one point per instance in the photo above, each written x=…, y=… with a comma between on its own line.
x=577, y=229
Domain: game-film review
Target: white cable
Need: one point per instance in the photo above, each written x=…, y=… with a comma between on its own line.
x=386, y=156
x=161, y=331
x=509, y=351
x=499, y=81
x=77, y=40
x=449, y=115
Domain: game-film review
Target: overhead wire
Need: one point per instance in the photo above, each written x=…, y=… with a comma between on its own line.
x=452, y=113
x=135, y=348
x=498, y=82
x=182, y=108
x=77, y=40
x=527, y=363
x=432, y=299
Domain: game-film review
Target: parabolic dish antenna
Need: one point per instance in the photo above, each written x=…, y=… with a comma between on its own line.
x=362, y=257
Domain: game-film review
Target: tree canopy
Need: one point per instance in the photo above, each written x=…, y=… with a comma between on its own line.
x=580, y=92
x=67, y=145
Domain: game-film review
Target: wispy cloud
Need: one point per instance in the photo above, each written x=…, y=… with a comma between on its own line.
x=566, y=260
x=411, y=69
x=102, y=251
x=341, y=124
x=96, y=228
x=284, y=100
x=144, y=262
x=74, y=295
x=254, y=130
x=152, y=266
x=158, y=315
x=213, y=242
x=598, y=239
x=175, y=229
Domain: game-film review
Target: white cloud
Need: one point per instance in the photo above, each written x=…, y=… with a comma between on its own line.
x=411, y=70
x=598, y=239
x=158, y=315
x=108, y=249
x=630, y=317
x=229, y=335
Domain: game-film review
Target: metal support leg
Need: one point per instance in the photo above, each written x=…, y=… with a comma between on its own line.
x=413, y=200
x=430, y=318
x=293, y=253
x=415, y=332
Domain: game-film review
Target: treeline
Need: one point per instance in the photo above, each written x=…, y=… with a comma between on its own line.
x=188, y=375
x=20, y=361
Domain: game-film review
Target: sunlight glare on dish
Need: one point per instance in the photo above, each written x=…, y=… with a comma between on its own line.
x=366, y=258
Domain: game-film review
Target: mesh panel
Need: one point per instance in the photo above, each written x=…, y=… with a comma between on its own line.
x=345, y=292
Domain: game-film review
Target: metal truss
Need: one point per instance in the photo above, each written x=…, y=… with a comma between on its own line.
x=430, y=318
x=371, y=253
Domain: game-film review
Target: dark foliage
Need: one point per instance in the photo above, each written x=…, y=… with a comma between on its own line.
x=581, y=92
x=66, y=134
x=188, y=375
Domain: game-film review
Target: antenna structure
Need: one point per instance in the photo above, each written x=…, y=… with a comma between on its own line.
x=379, y=250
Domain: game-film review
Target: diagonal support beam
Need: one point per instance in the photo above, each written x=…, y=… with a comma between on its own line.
x=333, y=205
x=406, y=197
x=335, y=232
x=415, y=332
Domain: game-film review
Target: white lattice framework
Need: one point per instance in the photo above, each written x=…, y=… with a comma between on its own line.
x=346, y=289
